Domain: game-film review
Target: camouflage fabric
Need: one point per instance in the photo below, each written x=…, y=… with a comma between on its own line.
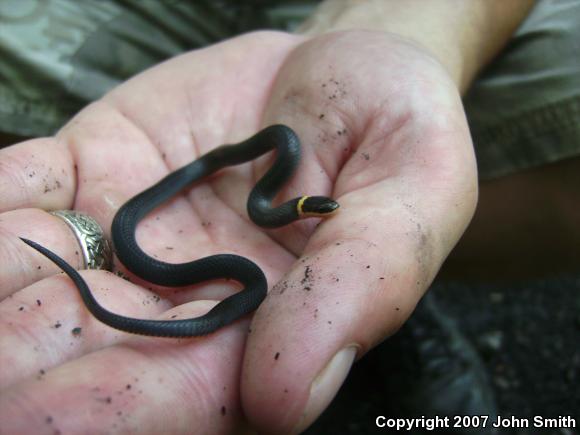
x=59, y=55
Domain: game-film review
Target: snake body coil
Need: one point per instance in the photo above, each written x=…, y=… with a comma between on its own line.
x=260, y=210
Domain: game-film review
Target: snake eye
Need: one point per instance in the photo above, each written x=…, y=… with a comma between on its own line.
x=318, y=206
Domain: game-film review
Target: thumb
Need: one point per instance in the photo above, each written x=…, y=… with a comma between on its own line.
x=340, y=298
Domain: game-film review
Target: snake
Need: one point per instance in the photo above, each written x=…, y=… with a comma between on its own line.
x=286, y=144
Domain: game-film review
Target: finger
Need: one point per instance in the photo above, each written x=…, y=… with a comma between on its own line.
x=339, y=300
x=21, y=266
x=150, y=386
x=38, y=173
x=47, y=324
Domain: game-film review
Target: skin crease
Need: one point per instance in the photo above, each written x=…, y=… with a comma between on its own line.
x=383, y=133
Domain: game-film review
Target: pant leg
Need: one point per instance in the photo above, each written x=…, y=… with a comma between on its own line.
x=56, y=56
x=524, y=110
x=59, y=55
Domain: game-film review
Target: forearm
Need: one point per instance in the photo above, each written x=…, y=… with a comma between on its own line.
x=462, y=34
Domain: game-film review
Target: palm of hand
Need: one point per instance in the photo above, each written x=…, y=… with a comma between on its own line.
x=382, y=131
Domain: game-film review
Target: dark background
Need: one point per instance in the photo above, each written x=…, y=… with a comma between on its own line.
x=526, y=334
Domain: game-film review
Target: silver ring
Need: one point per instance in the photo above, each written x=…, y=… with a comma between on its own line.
x=96, y=249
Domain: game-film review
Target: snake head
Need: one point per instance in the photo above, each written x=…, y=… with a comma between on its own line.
x=316, y=206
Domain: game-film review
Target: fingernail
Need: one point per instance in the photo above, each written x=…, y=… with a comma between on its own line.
x=326, y=385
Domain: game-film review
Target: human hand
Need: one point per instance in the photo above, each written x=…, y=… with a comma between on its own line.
x=383, y=132
x=387, y=127
x=102, y=379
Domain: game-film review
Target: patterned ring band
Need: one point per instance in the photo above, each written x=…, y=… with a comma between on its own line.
x=96, y=249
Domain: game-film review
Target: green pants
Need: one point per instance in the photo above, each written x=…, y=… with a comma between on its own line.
x=56, y=56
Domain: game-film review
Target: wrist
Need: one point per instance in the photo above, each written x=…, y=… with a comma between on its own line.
x=462, y=35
